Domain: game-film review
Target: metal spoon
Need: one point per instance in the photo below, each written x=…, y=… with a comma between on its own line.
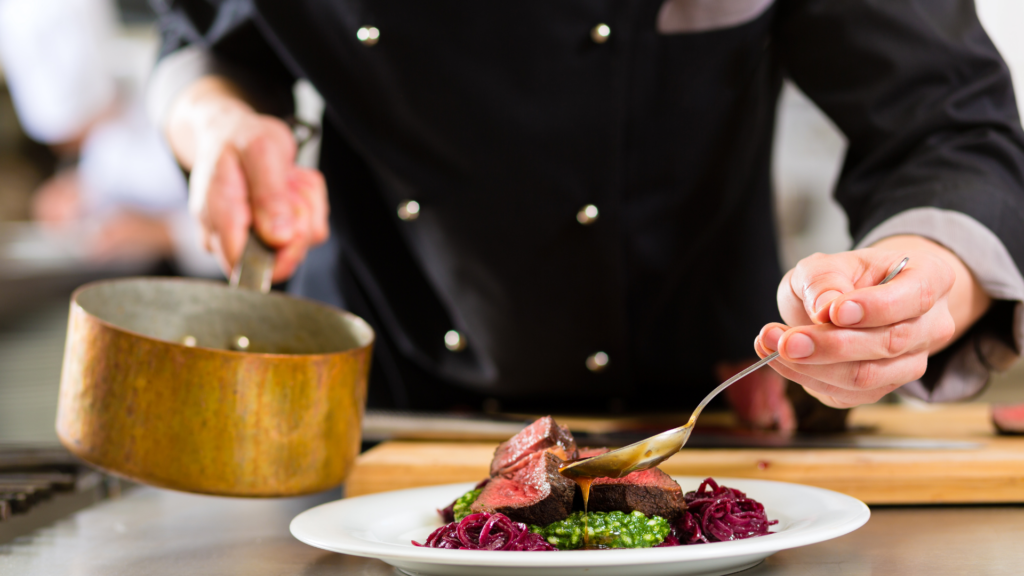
x=649, y=453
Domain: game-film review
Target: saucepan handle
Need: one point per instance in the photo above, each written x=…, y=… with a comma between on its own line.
x=254, y=269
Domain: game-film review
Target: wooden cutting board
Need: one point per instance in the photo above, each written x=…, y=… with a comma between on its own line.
x=992, y=471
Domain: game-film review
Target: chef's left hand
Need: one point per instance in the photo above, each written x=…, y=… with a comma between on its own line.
x=850, y=341
x=759, y=400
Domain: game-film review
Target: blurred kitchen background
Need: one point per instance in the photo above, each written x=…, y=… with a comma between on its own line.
x=88, y=189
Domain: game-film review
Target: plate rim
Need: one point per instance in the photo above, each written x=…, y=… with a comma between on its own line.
x=856, y=516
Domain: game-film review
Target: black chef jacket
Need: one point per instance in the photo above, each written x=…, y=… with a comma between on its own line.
x=503, y=120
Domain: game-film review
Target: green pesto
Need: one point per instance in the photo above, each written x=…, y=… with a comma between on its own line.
x=605, y=530
x=462, y=505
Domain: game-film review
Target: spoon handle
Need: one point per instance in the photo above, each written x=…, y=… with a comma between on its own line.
x=896, y=270
x=650, y=452
x=729, y=382
x=254, y=269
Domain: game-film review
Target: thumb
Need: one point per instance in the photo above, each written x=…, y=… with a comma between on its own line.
x=818, y=280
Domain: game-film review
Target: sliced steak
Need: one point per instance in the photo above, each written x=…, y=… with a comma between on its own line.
x=534, y=492
x=448, y=512
x=650, y=491
x=1009, y=419
x=589, y=452
x=543, y=434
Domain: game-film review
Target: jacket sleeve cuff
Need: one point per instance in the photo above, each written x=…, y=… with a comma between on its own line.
x=966, y=372
x=172, y=74
x=179, y=69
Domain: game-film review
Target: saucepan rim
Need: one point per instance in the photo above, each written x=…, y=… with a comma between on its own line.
x=370, y=335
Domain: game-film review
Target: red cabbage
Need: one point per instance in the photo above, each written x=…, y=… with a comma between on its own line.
x=669, y=540
x=483, y=531
x=448, y=512
x=718, y=514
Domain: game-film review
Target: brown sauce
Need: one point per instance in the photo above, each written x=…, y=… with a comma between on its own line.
x=584, y=483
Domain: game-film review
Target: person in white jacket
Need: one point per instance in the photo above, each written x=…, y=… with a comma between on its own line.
x=75, y=87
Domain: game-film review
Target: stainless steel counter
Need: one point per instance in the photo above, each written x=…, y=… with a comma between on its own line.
x=159, y=533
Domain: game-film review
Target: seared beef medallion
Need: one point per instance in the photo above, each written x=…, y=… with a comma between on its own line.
x=649, y=491
x=588, y=452
x=533, y=493
x=527, y=487
x=543, y=434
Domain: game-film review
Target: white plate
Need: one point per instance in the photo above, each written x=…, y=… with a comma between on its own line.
x=382, y=526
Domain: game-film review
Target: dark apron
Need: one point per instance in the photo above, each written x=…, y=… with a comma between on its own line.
x=503, y=120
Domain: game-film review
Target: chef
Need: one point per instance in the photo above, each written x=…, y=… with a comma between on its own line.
x=566, y=205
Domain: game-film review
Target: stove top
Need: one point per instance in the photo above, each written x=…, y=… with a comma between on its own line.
x=41, y=484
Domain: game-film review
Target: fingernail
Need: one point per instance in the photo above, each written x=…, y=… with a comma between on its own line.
x=771, y=338
x=826, y=299
x=849, y=313
x=799, y=346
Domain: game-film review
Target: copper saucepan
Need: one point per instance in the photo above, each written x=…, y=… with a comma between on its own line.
x=197, y=386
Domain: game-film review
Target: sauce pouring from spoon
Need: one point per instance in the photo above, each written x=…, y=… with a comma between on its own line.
x=652, y=451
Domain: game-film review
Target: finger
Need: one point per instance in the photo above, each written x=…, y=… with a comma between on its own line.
x=218, y=254
x=267, y=159
x=851, y=383
x=785, y=413
x=838, y=398
x=290, y=255
x=770, y=335
x=287, y=260
x=830, y=394
x=791, y=307
x=866, y=375
x=779, y=366
x=198, y=184
x=821, y=278
x=759, y=347
x=227, y=216
x=202, y=219
x=828, y=344
x=912, y=293
x=311, y=185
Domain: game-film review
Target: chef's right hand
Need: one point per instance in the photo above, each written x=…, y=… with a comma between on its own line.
x=243, y=175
